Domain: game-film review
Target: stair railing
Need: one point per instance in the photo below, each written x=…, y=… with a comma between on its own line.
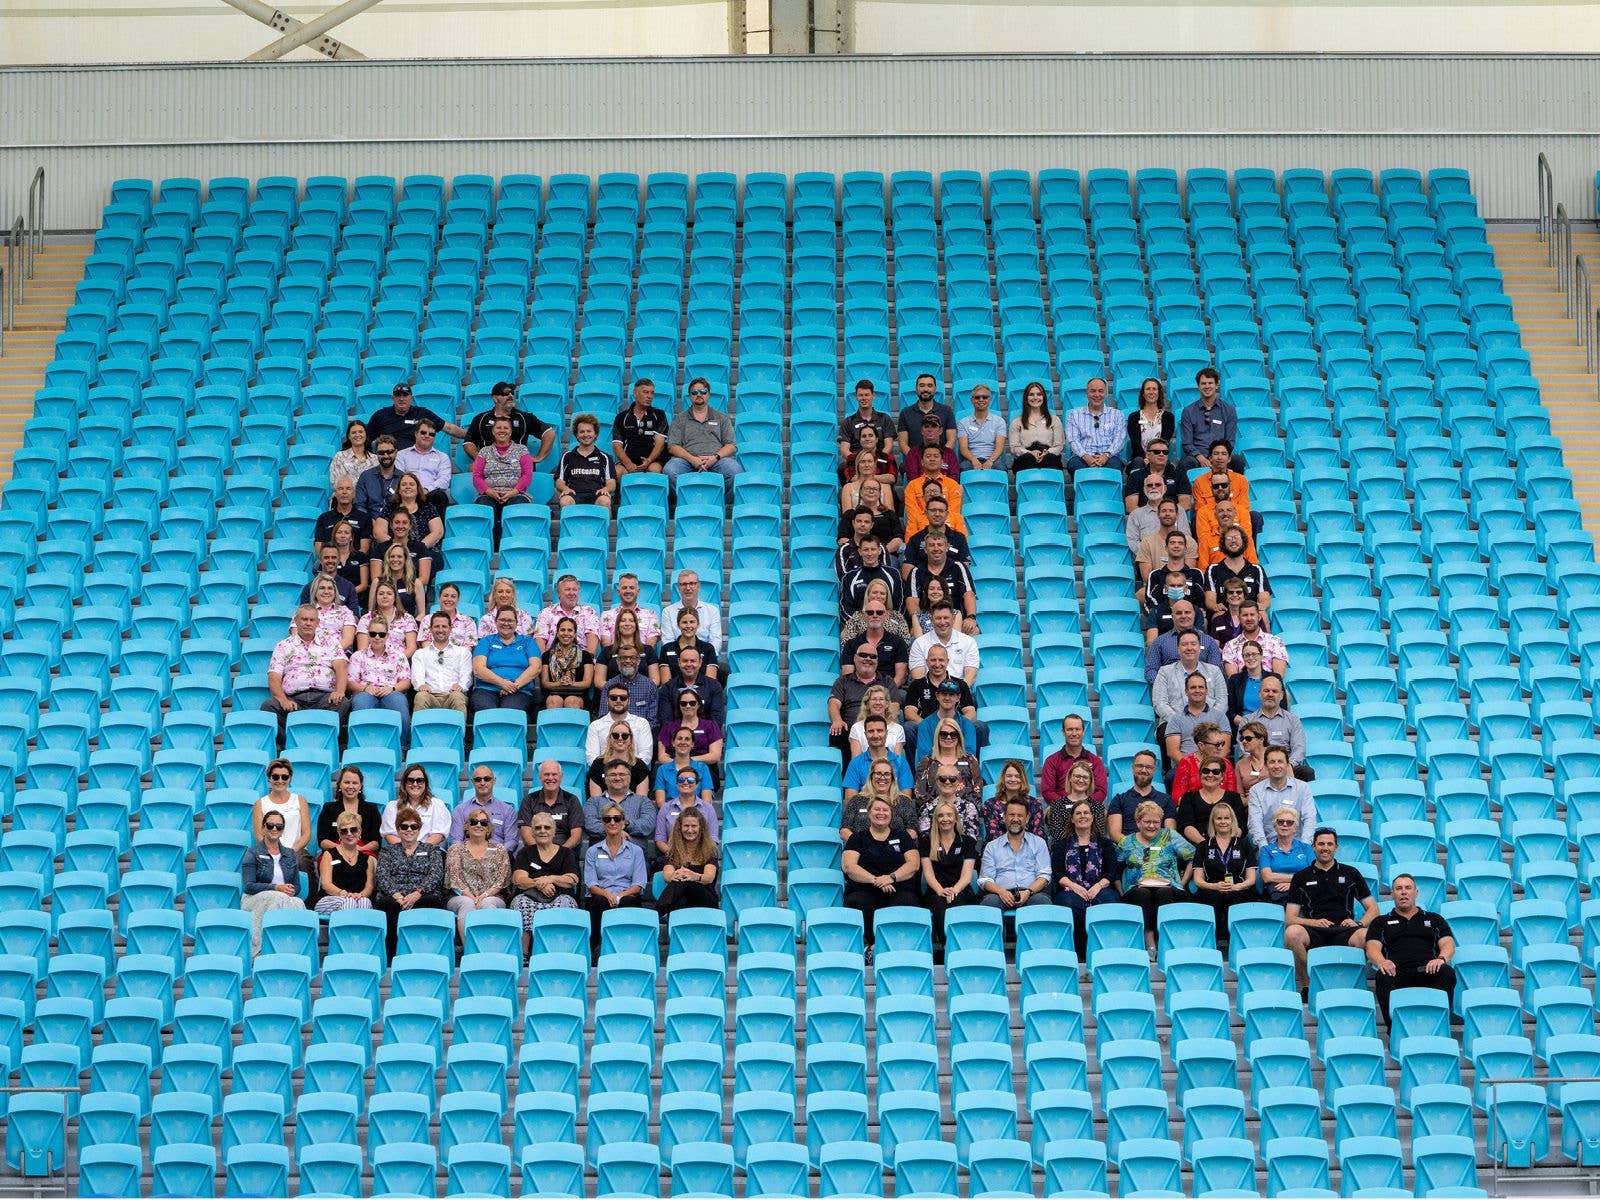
x=15, y=254
x=1584, y=296
x=5, y=310
x=1547, y=203
x=1561, y=248
x=35, y=220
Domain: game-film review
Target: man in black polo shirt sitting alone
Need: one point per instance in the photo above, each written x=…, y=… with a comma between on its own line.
x=639, y=432
x=1409, y=947
x=1322, y=898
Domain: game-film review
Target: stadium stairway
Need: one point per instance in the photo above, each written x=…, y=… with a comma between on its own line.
x=1568, y=390
x=30, y=344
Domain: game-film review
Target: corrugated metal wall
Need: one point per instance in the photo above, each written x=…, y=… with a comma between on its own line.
x=1490, y=114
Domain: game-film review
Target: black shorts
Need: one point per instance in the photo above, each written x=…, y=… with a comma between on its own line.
x=1335, y=935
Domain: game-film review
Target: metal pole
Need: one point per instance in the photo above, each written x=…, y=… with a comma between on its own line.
x=311, y=30
x=1545, y=193
x=282, y=22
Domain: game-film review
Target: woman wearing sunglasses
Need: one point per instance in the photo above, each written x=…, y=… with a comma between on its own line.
x=477, y=871
x=413, y=791
x=269, y=875
x=290, y=808
x=619, y=747
x=615, y=870
x=410, y=873
x=346, y=873
x=545, y=876
x=1194, y=808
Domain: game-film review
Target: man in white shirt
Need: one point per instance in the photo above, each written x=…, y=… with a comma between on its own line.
x=441, y=674
x=594, y=742
x=429, y=464
x=689, y=597
x=962, y=647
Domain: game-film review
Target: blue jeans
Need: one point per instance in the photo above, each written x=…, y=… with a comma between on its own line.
x=726, y=467
x=395, y=702
x=1075, y=464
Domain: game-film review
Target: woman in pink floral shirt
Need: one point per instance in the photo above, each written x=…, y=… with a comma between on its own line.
x=336, y=624
x=399, y=623
x=380, y=675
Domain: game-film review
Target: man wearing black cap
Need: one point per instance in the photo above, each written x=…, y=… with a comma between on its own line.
x=922, y=695
x=526, y=429
x=947, y=700
x=399, y=420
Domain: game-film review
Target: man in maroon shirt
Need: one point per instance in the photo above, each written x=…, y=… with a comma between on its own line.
x=1053, y=781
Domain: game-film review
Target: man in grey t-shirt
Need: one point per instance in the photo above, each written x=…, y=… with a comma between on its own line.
x=701, y=439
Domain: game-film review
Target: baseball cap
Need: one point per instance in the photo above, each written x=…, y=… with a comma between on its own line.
x=949, y=685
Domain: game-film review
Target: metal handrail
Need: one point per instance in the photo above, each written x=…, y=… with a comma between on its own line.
x=1495, y=1163
x=1547, y=201
x=1561, y=248
x=35, y=217
x=1584, y=296
x=5, y=310
x=14, y=256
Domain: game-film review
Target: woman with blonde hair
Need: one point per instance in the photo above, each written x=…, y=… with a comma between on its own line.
x=1225, y=870
x=877, y=702
x=949, y=860
x=876, y=595
x=1155, y=866
x=881, y=784
x=949, y=751
x=477, y=871
x=503, y=592
x=398, y=570
x=1080, y=787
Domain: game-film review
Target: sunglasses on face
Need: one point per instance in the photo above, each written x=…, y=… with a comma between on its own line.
x=273, y=826
x=947, y=734
x=949, y=779
x=874, y=612
x=688, y=703
x=349, y=829
x=1210, y=771
x=699, y=391
x=477, y=821
x=408, y=825
x=611, y=820
x=622, y=737
x=415, y=782
x=483, y=779
x=279, y=775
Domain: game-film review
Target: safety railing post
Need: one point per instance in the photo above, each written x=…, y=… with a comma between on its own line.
x=35, y=228
x=1547, y=197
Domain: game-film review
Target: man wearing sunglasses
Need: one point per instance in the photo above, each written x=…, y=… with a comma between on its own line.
x=484, y=803
x=617, y=701
x=441, y=672
x=701, y=439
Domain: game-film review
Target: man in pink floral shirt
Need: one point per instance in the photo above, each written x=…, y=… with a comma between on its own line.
x=566, y=605
x=305, y=674
x=380, y=676
x=1274, y=657
x=628, y=601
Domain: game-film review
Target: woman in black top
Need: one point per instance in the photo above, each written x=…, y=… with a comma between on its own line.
x=1194, y=809
x=949, y=856
x=352, y=566
x=1152, y=419
x=666, y=664
x=880, y=868
x=544, y=874
x=689, y=876
x=350, y=796
x=345, y=872
x=1224, y=870
x=1084, y=866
